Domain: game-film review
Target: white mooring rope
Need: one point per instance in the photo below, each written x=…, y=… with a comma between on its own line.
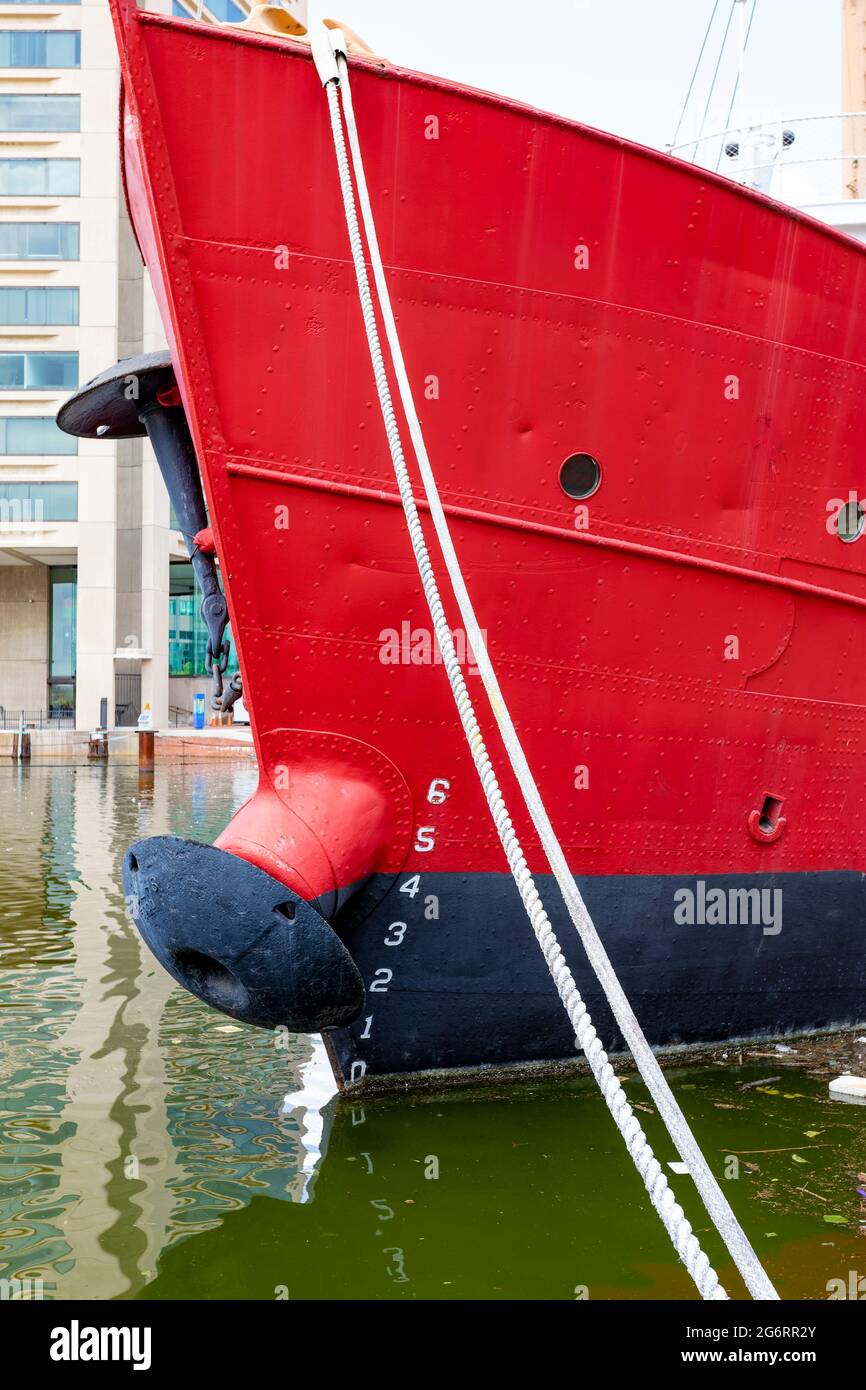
x=330, y=57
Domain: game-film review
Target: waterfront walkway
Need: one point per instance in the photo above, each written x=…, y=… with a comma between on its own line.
x=172, y=744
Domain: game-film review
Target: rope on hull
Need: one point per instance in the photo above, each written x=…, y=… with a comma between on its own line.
x=331, y=63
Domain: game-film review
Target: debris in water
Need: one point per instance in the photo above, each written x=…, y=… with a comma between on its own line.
x=849, y=1087
x=810, y=1193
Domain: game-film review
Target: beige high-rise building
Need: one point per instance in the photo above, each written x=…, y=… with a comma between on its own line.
x=97, y=602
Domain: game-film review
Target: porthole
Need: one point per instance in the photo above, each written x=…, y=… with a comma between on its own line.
x=849, y=521
x=579, y=476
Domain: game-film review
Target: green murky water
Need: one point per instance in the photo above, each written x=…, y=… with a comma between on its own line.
x=150, y=1149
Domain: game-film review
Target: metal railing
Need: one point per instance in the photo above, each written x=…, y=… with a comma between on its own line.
x=127, y=699
x=11, y=720
x=804, y=160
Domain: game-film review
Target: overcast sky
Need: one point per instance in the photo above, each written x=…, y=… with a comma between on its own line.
x=623, y=65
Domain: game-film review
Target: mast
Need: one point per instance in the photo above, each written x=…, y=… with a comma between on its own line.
x=854, y=96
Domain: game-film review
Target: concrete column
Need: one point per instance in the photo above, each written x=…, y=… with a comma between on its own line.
x=98, y=211
x=97, y=531
x=23, y=636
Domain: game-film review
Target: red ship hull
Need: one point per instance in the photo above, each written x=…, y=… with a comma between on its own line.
x=681, y=653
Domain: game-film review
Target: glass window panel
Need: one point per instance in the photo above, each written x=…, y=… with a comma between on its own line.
x=40, y=48
x=64, y=177
x=51, y=304
x=220, y=9
x=20, y=177
x=70, y=233
x=59, y=501
x=226, y=10
x=51, y=241
x=39, y=241
x=50, y=111
x=61, y=694
x=51, y=370
x=36, y=307
x=42, y=240
x=38, y=370
x=13, y=305
x=62, y=304
x=61, y=646
x=34, y=434
x=63, y=48
x=187, y=634
x=11, y=370
x=12, y=241
x=39, y=501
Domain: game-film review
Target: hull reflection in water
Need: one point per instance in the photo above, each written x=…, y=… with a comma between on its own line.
x=307, y=1108
x=518, y=1193
x=150, y=1149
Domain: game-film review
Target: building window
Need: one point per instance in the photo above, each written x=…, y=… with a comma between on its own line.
x=28, y=502
x=39, y=241
x=62, y=615
x=225, y=10
x=34, y=434
x=40, y=48
x=187, y=634
x=54, y=111
x=38, y=371
x=38, y=304
x=22, y=177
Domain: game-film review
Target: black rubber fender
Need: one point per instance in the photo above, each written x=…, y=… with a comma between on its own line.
x=239, y=939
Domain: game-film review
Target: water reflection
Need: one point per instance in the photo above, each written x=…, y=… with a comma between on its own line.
x=130, y=1115
x=151, y=1148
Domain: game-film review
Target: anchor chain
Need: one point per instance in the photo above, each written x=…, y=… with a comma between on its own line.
x=223, y=696
x=215, y=615
x=216, y=667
